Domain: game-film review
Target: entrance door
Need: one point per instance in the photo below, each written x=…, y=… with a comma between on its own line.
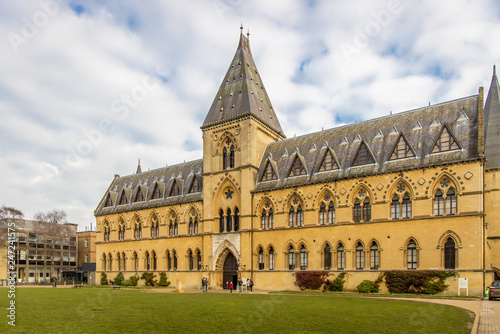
x=230, y=273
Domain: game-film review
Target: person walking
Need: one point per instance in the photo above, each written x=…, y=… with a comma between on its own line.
x=250, y=285
x=240, y=283
x=203, y=284
x=231, y=287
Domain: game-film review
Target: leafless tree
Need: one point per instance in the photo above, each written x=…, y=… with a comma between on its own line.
x=9, y=217
x=52, y=223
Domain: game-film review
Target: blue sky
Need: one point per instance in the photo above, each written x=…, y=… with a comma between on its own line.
x=89, y=87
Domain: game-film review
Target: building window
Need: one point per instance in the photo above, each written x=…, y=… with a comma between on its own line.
x=148, y=262
x=450, y=202
x=362, y=210
x=107, y=231
x=445, y=142
x=124, y=263
x=86, y=244
x=155, y=228
x=191, y=226
x=327, y=257
x=326, y=213
x=86, y=258
x=228, y=155
x=328, y=162
x=236, y=219
x=363, y=157
x=360, y=257
x=296, y=215
x=340, y=257
x=291, y=258
x=271, y=259
x=191, y=260
x=136, y=262
x=438, y=203
x=269, y=173
x=449, y=254
x=401, y=207
x=198, y=260
x=121, y=231
x=261, y=259
x=229, y=221
x=169, y=261
x=402, y=150
x=195, y=185
x=297, y=168
x=374, y=256
x=103, y=261
x=173, y=227
x=156, y=192
x=267, y=217
x=303, y=258
x=174, y=255
x=138, y=230
x=176, y=190
x=412, y=255
x=221, y=221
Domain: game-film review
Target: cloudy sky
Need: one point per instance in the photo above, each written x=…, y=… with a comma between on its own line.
x=89, y=87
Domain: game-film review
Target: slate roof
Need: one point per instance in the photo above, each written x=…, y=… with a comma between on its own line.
x=420, y=127
x=492, y=125
x=242, y=93
x=183, y=174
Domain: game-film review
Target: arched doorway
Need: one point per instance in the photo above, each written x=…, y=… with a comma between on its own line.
x=230, y=271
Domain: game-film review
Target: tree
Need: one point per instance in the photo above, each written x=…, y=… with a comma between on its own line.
x=52, y=223
x=9, y=217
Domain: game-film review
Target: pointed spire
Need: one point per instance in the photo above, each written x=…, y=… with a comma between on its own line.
x=492, y=124
x=139, y=169
x=242, y=92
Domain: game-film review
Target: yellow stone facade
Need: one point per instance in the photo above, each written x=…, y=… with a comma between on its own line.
x=232, y=182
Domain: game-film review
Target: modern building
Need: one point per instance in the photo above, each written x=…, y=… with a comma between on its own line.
x=415, y=190
x=42, y=251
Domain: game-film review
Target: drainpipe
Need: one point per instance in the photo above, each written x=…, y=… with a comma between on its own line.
x=484, y=228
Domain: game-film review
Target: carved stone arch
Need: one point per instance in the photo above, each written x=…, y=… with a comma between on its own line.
x=355, y=243
x=170, y=212
x=134, y=220
x=222, y=200
x=373, y=240
x=326, y=242
x=121, y=219
x=262, y=202
x=303, y=241
x=105, y=224
x=435, y=184
x=446, y=235
x=190, y=209
x=393, y=189
x=321, y=196
x=260, y=246
x=222, y=142
x=288, y=199
x=153, y=212
x=222, y=252
x=408, y=241
x=356, y=191
x=269, y=248
x=287, y=245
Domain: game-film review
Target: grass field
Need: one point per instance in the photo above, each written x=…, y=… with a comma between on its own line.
x=47, y=310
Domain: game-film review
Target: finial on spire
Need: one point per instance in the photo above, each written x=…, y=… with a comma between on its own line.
x=139, y=169
x=248, y=33
x=241, y=27
x=494, y=69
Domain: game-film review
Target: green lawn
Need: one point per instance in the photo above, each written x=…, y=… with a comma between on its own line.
x=47, y=310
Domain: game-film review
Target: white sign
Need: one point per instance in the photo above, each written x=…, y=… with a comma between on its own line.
x=463, y=283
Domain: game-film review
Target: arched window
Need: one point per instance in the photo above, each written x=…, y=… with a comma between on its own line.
x=295, y=215
x=438, y=203
x=291, y=217
x=148, y=261
x=191, y=260
x=374, y=256
x=153, y=260
x=107, y=231
x=138, y=229
x=228, y=155
x=104, y=262
x=121, y=231
x=340, y=257
x=169, y=261
x=195, y=225
x=406, y=206
x=327, y=257
x=303, y=258
x=176, y=228
x=331, y=213
x=229, y=221
x=327, y=213
x=110, y=257
x=224, y=158
x=291, y=258
x=271, y=258
x=322, y=214
x=362, y=209
x=395, y=207
x=191, y=226
x=263, y=220
x=221, y=221
x=367, y=210
x=136, y=261
x=401, y=208
x=261, y=259
x=174, y=256
x=236, y=219
x=360, y=257
x=154, y=227
x=449, y=254
x=198, y=260
x=119, y=260
x=231, y=157
x=356, y=211
x=171, y=229
x=412, y=255
x=124, y=262
x=270, y=220
x=451, y=202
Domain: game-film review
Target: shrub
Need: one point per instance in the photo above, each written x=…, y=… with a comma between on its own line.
x=337, y=284
x=417, y=282
x=312, y=280
x=163, y=280
x=368, y=287
x=132, y=281
x=119, y=279
x=149, y=278
x=104, y=279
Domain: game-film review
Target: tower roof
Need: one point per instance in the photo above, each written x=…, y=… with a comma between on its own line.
x=492, y=124
x=242, y=93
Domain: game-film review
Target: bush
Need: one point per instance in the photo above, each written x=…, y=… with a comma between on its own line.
x=312, y=280
x=163, y=280
x=104, y=279
x=417, y=282
x=119, y=279
x=149, y=278
x=368, y=287
x=337, y=284
x=132, y=281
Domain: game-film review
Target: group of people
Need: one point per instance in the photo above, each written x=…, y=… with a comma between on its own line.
x=243, y=284
x=204, y=284
x=53, y=280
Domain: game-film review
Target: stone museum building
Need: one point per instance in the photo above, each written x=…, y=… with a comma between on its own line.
x=416, y=190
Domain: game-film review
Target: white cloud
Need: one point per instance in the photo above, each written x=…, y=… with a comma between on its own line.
x=66, y=126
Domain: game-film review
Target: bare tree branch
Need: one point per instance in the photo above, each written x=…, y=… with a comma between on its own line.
x=52, y=223
x=9, y=215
